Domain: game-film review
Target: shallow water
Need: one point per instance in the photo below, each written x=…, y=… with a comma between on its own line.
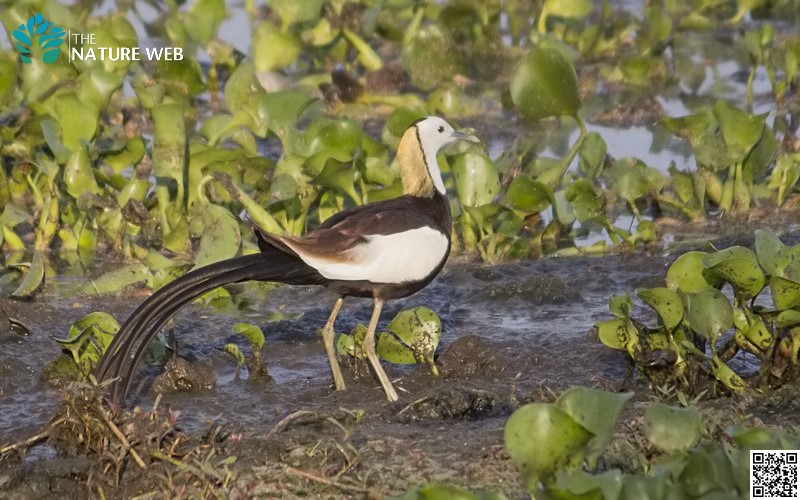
x=534, y=315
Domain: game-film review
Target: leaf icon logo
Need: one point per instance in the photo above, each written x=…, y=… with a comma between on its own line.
x=48, y=36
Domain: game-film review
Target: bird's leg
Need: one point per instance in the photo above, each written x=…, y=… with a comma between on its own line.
x=327, y=337
x=369, y=345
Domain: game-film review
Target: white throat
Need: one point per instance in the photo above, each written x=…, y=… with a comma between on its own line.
x=429, y=151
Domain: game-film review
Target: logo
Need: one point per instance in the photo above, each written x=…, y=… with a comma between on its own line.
x=48, y=36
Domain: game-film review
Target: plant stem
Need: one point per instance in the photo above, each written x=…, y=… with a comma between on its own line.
x=688, y=212
x=566, y=161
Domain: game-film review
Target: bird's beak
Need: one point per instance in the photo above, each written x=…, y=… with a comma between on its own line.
x=461, y=136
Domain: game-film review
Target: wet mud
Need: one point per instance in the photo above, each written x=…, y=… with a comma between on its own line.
x=512, y=333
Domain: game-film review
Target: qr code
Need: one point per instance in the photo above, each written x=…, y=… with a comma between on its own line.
x=773, y=474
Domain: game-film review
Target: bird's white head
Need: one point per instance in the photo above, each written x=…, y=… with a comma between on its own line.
x=417, y=153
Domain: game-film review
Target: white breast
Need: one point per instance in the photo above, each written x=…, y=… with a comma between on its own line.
x=393, y=258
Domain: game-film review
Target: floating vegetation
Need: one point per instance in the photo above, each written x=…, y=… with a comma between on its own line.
x=700, y=330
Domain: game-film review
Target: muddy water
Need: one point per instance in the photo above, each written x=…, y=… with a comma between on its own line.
x=533, y=314
x=531, y=321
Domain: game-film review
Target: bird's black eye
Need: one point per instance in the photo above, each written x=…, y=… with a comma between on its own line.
x=441, y=129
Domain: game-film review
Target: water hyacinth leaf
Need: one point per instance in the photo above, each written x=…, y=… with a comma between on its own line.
x=739, y=267
x=788, y=318
x=33, y=279
x=169, y=155
x=595, y=410
x=477, y=179
x=528, y=195
x=279, y=111
x=221, y=236
x=352, y=344
x=399, y=120
x=116, y=280
x=629, y=178
x=740, y=130
x=608, y=484
x=544, y=84
x=78, y=174
x=78, y=122
x=670, y=428
x=667, y=304
x=586, y=202
x=541, y=438
x=273, y=49
x=242, y=87
x=690, y=127
x=772, y=254
x=292, y=12
x=618, y=333
x=688, y=274
x=236, y=354
x=785, y=292
x=430, y=57
x=573, y=9
x=621, y=305
x=592, y=155
x=339, y=175
x=131, y=155
x=759, y=335
x=89, y=337
x=785, y=175
x=51, y=132
x=252, y=333
x=204, y=18
x=414, y=337
x=709, y=313
x=728, y=377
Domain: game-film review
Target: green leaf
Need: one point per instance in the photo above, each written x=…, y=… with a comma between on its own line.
x=413, y=338
x=671, y=429
x=528, y=195
x=77, y=120
x=740, y=130
x=252, y=333
x=772, y=254
x=236, y=353
x=544, y=84
x=667, y=304
x=203, y=19
x=785, y=293
x=292, y=12
x=33, y=279
x=592, y=155
x=116, y=280
x=739, y=267
x=688, y=274
x=631, y=179
x=709, y=313
x=79, y=175
x=477, y=179
x=618, y=333
x=430, y=57
x=541, y=439
x=595, y=410
x=273, y=49
x=621, y=305
x=608, y=484
x=279, y=111
x=728, y=377
x=220, y=238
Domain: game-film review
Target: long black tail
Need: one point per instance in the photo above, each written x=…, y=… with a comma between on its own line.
x=130, y=343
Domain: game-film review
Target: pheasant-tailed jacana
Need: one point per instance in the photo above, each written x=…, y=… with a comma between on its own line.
x=384, y=250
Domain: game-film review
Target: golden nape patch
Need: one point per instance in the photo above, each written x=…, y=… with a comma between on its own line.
x=413, y=170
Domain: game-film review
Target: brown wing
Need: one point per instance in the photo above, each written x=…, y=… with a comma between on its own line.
x=343, y=232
